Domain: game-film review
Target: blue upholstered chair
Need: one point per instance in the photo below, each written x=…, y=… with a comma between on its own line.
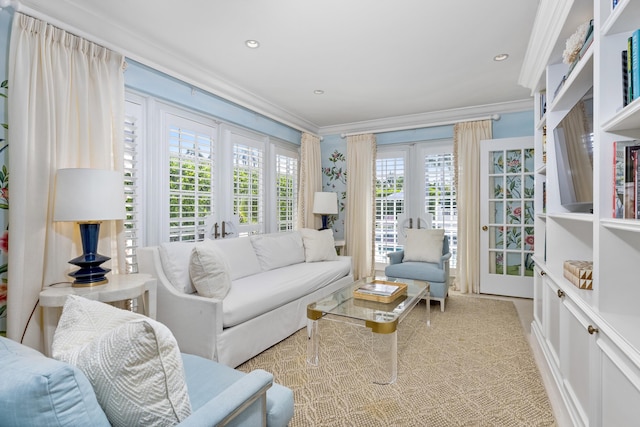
x=39, y=391
x=437, y=274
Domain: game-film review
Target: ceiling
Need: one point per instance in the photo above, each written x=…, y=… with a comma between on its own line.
x=374, y=59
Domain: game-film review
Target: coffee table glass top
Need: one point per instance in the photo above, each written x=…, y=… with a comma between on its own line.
x=342, y=303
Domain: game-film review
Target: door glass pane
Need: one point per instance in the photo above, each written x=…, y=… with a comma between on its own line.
x=514, y=161
x=497, y=165
x=513, y=263
x=513, y=237
x=496, y=183
x=513, y=186
x=528, y=160
x=496, y=237
x=496, y=262
x=514, y=212
x=496, y=215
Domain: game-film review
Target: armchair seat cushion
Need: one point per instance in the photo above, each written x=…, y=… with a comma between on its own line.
x=206, y=379
x=417, y=271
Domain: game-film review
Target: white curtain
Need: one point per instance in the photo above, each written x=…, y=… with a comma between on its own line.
x=361, y=207
x=66, y=109
x=310, y=181
x=466, y=147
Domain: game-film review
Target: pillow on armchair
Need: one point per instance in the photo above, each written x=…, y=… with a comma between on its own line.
x=132, y=362
x=423, y=245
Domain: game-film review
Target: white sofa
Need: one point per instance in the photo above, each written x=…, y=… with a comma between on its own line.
x=273, y=278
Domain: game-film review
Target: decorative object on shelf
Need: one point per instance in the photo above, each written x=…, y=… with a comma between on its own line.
x=325, y=203
x=580, y=273
x=576, y=42
x=89, y=196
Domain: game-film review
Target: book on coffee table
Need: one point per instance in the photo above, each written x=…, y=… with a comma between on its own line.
x=380, y=290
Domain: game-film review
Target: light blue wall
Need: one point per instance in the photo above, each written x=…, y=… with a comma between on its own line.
x=146, y=80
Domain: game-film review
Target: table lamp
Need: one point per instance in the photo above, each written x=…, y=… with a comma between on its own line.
x=325, y=203
x=88, y=197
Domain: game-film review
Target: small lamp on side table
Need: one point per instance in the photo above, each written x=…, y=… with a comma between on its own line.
x=88, y=197
x=325, y=203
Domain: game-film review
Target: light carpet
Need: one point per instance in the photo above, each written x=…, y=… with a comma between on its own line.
x=472, y=367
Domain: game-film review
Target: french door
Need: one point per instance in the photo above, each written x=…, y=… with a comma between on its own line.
x=414, y=189
x=506, y=217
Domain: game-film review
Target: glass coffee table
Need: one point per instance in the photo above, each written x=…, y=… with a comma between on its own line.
x=381, y=317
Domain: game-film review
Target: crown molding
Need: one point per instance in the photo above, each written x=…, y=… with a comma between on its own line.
x=424, y=119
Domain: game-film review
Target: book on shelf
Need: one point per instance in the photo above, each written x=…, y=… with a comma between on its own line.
x=379, y=289
x=635, y=63
x=629, y=79
x=625, y=186
x=625, y=78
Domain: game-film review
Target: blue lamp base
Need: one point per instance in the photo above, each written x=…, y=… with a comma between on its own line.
x=90, y=272
x=324, y=222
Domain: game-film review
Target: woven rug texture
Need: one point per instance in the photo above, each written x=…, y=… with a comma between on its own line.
x=472, y=367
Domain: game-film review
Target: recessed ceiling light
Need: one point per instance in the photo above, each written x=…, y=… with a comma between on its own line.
x=501, y=57
x=252, y=44
x=318, y=92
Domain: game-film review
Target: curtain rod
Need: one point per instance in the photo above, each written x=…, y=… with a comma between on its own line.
x=429, y=125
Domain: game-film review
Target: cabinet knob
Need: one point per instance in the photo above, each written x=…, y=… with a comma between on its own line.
x=592, y=330
x=560, y=293
x=485, y=228
x=542, y=273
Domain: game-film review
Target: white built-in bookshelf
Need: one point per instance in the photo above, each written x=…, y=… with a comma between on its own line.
x=590, y=338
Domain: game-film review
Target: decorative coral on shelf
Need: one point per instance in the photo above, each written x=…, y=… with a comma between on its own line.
x=575, y=43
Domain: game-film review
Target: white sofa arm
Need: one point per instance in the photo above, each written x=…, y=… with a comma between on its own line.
x=195, y=321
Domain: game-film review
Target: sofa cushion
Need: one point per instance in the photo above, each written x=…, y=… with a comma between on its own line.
x=209, y=270
x=37, y=390
x=240, y=256
x=254, y=295
x=278, y=249
x=423, y=245
x=135, y=368
x=175, y=258
x=318, y=245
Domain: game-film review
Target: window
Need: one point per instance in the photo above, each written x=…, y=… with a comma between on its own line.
x=248, y=184
x=440, y=197
x=191, y=159
x=390, y=176
x=412, y=180
x=286, y=189
x=133, y=221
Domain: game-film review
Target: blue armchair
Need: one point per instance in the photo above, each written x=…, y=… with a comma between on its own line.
x=37, y=390
x=437, y=274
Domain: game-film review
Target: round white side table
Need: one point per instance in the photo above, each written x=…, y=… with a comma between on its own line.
x=120, y=287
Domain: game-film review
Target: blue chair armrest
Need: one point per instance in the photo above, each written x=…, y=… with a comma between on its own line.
x=395, y=257
x=233, y=401
x=446, y=257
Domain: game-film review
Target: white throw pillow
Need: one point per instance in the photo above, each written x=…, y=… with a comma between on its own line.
x=240, y=255
x=209, y=270
x=278, y=249
x=132, y=362
x=318, y=245
x=423, y=245
x=175, y=263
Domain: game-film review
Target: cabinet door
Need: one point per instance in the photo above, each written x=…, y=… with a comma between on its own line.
x=619, y=392
x=577, y=349
x=551, y=306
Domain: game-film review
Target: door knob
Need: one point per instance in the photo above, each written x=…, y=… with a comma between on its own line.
x=485, y=228
x=592, y=330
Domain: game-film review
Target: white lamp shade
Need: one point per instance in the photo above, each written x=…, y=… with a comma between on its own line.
x=84, y=194
x=325, y=203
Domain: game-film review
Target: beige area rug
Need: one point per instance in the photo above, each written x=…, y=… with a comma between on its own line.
x=472, y=367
